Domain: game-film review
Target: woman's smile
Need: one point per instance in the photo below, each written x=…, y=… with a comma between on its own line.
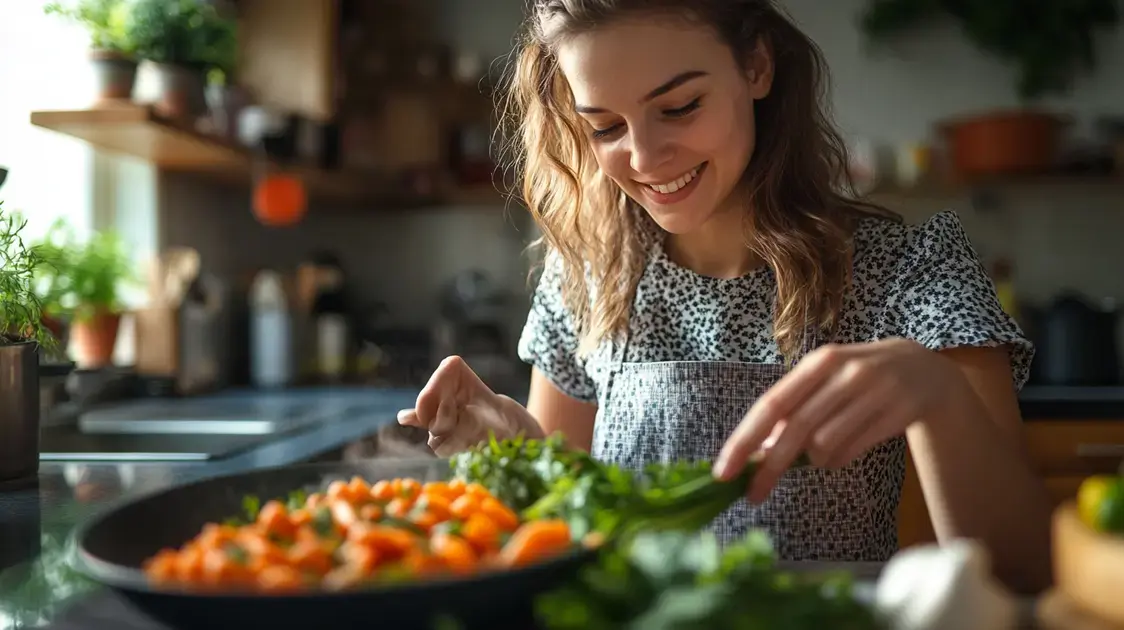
x=675, y=190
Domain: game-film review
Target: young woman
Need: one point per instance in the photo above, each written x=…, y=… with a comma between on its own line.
x=710, y=290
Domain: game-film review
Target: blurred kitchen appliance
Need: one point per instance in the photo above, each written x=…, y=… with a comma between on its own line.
x=1076, y=343
x=472, y=325
x=183, y=332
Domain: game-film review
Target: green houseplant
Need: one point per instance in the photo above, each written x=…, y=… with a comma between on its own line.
x=81, y=280
x=1050, y=43
x=111, y=46
x=183, y=40
x=21, y=334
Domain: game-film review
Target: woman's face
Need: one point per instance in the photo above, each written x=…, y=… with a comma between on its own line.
x=668, y=113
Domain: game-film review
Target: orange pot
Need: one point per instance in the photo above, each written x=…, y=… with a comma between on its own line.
x=1005, y=142
x=95, y=339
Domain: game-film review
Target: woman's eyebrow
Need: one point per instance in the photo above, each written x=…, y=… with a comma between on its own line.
x=664, y=88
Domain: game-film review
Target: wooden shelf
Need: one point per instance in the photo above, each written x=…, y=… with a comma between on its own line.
x=1064, y=182
x=134, y=130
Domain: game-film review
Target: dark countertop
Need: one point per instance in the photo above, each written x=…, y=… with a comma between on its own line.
x=36, y=519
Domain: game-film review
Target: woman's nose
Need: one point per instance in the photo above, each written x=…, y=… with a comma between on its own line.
x=650, y=151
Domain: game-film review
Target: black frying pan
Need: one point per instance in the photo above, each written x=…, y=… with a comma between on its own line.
x=112, y=546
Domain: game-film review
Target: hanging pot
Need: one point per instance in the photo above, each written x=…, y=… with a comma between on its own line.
x=19, y=411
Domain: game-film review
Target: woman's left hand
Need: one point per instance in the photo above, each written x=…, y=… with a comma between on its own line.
x=836, y=404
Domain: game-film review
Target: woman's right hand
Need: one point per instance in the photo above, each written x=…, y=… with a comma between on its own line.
x=460, y=411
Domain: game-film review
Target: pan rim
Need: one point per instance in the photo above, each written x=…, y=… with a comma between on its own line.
x=133, y=579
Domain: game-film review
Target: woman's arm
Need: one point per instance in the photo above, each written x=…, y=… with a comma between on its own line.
x=976, y=475
x=555, y=411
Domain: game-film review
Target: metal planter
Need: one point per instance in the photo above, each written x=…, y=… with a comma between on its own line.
x=19, y=411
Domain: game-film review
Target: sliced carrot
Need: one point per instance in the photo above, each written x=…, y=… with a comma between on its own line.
x=535, y=541
x=300, y=517
x=344, y=513
x=457, y=487
x=501, y=515
x=280, y=579
x=337, y=490
x=481, y=532
x=409, y=488
x=454, y=552
x=437, y=504
x=465, y=506
x=274, y=518
x=214, y=535
x=310, y=556
x=370, y=512
x=399, y=507
x=477, y=490
x=390, y=541
x=358, y=488
x=382, y=490
x=425, y=520
x=360, y=556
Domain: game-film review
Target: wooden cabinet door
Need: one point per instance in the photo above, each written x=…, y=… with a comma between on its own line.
x=287, y=54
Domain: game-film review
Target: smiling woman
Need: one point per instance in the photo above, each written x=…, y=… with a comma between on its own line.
x=713, y=288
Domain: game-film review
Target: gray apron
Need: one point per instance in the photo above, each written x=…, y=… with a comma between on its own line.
x=669, y=411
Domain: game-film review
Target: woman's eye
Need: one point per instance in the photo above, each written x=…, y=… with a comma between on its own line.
x=606, y=132
x=683, y=111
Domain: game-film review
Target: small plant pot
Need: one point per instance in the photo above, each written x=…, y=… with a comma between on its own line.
x=95, y=339
x=1004, y=142
x=115, y=75
x=19, y=411
x=227, y=103
x=180, y=92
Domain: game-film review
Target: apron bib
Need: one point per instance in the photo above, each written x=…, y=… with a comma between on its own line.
x=669, y=411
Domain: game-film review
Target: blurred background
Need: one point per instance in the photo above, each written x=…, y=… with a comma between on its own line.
x=278, y=193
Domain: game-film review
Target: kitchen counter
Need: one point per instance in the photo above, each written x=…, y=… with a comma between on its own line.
x=36, y=585
x=37, y=517
x=1046, y=402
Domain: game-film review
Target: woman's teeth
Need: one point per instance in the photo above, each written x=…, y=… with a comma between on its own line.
x=675, y=185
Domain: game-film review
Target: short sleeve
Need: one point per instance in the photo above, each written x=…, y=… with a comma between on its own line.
x=943, y=297
x=550, y=342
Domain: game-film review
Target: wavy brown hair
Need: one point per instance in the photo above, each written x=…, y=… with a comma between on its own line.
x=801, y=210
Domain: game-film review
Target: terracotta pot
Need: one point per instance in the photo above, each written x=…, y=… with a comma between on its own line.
x=95, y=339
x=180, y=91
x=1005, y=142
x=115, y=75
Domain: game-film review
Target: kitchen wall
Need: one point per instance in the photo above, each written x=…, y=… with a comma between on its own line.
x=1057, y=237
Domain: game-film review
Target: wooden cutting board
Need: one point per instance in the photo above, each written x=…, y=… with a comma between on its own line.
x=1055, y=611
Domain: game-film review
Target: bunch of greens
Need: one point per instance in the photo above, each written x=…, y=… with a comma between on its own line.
x=545, y=479
x=20, y=307
x=674, y=580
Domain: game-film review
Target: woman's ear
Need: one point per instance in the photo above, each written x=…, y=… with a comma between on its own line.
x=759, y=70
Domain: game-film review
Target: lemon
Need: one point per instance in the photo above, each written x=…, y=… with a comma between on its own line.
x=1100, y=503
x=1090, y=496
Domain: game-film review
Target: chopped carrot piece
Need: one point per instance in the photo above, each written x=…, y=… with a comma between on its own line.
x=535, y=541
x=382, y=490
x=465, y=506
x=454, y=552
x=501, y=515
x=481, y=532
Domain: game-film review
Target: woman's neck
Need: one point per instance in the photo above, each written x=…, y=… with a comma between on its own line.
x=718, y=249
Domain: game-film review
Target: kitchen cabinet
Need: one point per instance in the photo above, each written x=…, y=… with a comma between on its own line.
x=1064, y=452
x=287, y=55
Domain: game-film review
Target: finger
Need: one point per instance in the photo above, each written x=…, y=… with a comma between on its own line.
x=877, y=430
x=773, y=406
x=442, y=384
x=847, y=424
x=445, y=422
x=409, y=418
x=777, y=459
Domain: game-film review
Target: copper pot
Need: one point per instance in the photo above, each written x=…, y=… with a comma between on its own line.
x=1005, y=142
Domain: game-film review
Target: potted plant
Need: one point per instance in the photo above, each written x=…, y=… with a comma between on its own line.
x=21, y=335
x=111, y=48
x=226, y=98
x=182, y=40
x=84, y=280
x=1049, y=43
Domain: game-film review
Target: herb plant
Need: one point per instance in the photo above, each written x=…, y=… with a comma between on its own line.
x=188, y=33
x=20, y=308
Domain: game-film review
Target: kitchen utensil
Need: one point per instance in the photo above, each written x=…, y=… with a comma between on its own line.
x=1076, y=343
x=112, y=547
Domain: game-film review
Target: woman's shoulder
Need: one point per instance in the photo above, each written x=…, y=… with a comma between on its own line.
x=887, y=247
